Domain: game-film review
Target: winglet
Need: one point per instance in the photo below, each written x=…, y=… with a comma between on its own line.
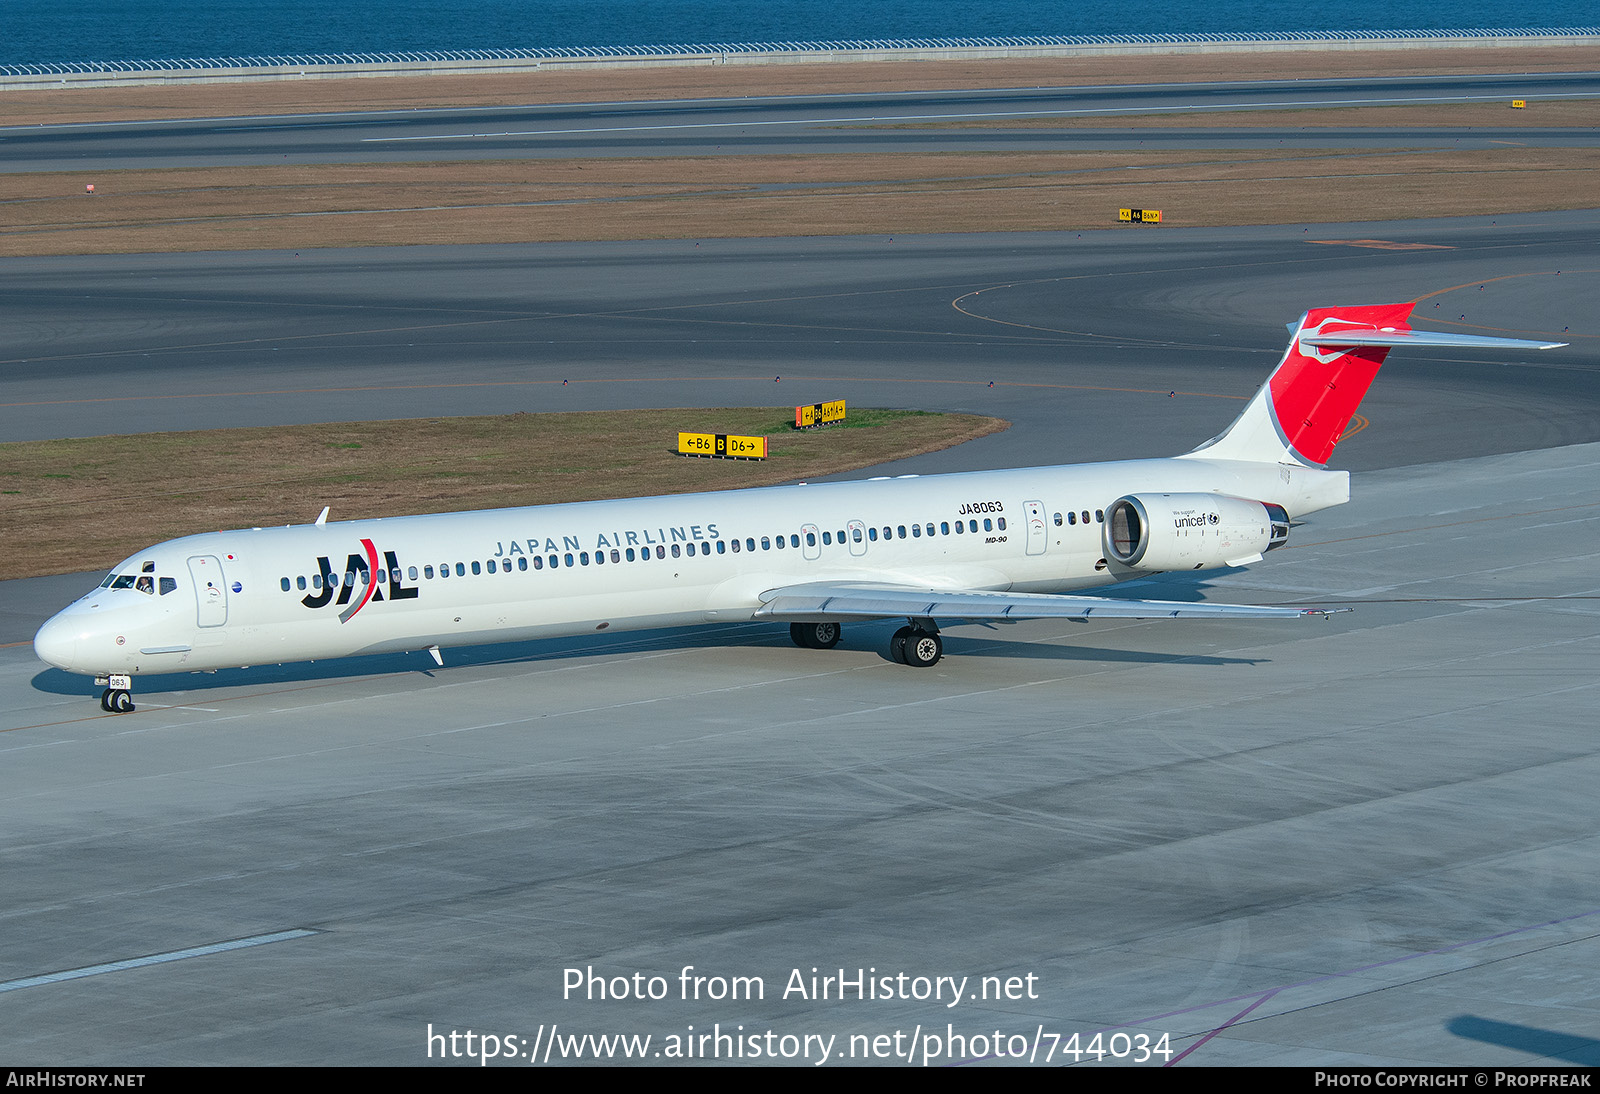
x=322, y=517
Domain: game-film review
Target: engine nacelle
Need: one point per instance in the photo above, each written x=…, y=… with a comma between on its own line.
x=1191, y=531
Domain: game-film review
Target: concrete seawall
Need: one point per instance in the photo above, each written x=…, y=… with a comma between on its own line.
x=362, y=66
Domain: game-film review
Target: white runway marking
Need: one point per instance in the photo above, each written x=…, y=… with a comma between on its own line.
x=153, y=959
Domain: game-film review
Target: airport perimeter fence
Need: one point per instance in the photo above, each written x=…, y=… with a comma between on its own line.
x=463, y=62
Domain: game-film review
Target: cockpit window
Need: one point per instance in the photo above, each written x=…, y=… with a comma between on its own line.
x=144, y=582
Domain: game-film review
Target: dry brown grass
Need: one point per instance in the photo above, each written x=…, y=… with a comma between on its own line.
x=85, y=504
x=607, y=85
x=189, y=209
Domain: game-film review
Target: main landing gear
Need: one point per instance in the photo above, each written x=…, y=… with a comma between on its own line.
x=917, y=645
x=815, y=636
x=118, y=696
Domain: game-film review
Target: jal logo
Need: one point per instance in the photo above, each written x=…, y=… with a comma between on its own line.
x=360, y=571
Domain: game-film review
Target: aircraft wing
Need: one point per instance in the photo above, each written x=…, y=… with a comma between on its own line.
x=824, y=601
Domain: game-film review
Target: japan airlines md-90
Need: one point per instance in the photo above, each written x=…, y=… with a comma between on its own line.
x=988, y=545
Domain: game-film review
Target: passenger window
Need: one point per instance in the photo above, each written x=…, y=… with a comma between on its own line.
x=285, y=584
x=491, y=567
x=1058, y=520
x=902, y=531
x=944, y=528
x=1099, y=516
x=916, y=531
x=827, y=539
x=960, y=527
x=811, y=539
x=735, y=546
x=1072, y=519
x=461, y=569
x=794, y=540
x=522, y=564
x=599, y=558
x=299, y=583
x=661, y=552
x=766, y=544
x=722, y=546
x=778, y=542
x=1086, y=516
x=477, y=567
x=872, y=534
x=750, y=543
x=1000, y=522
x=616, y=555
x=538, y=562
x=674, y=550
x=569, y=560
x=583, y=558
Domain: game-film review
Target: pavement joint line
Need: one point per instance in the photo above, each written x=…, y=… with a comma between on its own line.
x=155, y=959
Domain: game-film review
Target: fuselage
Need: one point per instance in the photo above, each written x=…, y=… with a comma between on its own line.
x=307, y=592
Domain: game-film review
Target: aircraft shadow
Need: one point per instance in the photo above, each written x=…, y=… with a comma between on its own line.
x=873, y=636
x=1530, y=1039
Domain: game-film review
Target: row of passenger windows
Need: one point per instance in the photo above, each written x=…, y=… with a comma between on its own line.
x=1073, y=518
x=643, y=554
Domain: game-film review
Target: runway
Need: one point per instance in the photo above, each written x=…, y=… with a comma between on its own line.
x=1365, y=840
x=909, y=122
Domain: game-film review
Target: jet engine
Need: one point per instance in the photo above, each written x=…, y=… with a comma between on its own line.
x=1191, y=531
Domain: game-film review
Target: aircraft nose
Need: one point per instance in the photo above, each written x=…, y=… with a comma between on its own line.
x=57, y=642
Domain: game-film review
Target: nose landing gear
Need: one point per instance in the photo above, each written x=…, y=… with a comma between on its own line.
x=116, y=701
x=118, y=696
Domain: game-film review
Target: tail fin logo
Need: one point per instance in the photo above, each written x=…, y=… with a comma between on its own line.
x=1319, y=385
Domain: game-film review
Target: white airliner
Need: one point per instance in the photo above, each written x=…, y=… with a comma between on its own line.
x=988, y=545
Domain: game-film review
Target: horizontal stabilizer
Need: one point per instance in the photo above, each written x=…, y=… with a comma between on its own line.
x=1420, y=338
